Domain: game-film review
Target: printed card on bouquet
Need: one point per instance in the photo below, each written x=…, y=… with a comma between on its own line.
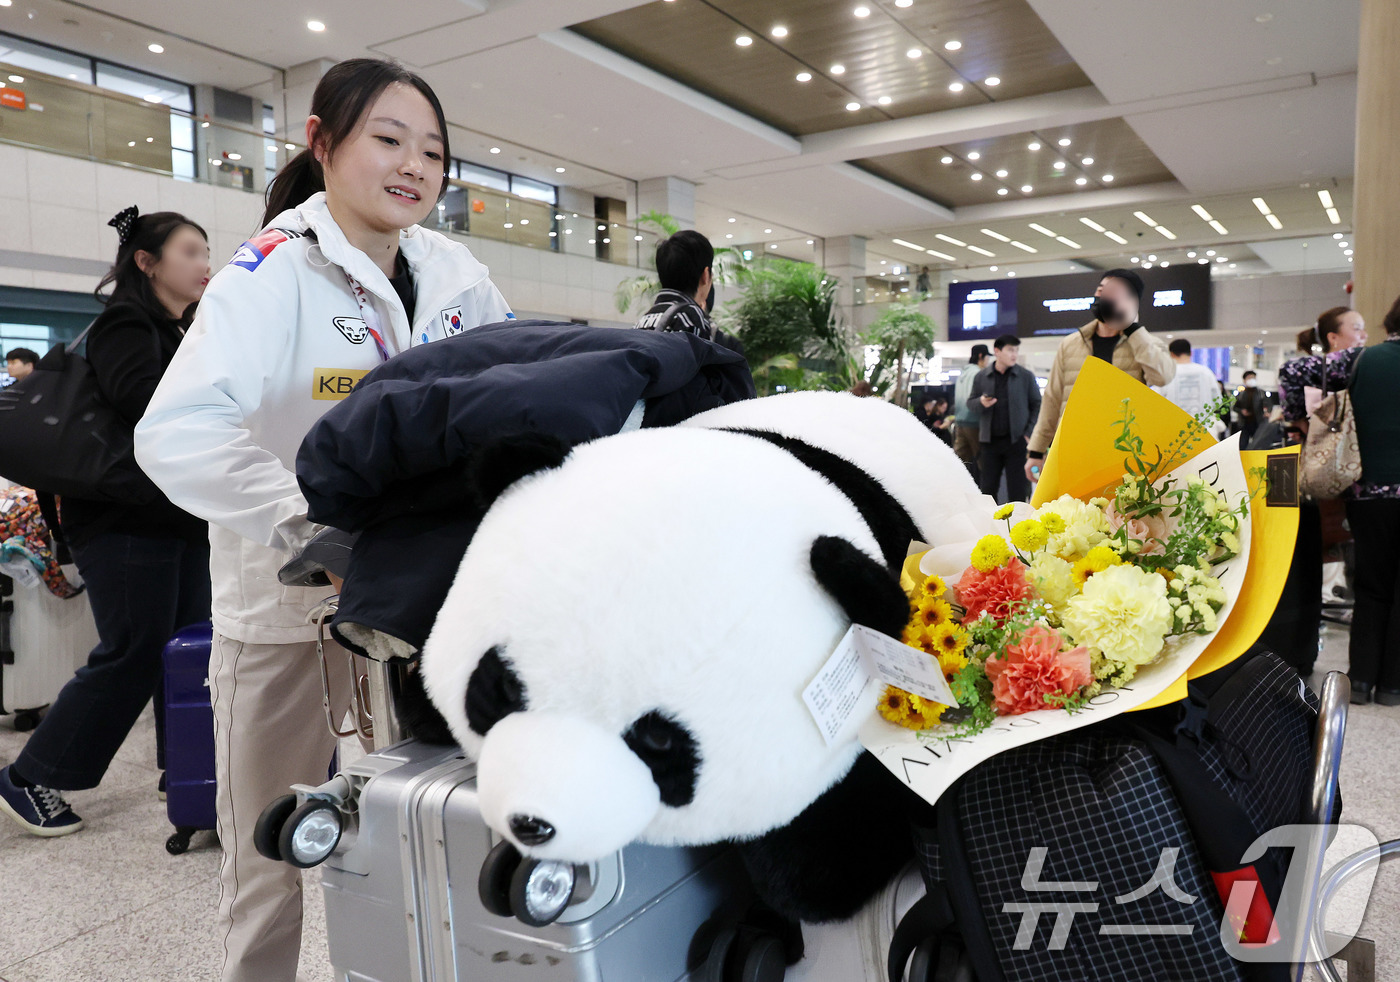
x=845, y=690
x=932, y=760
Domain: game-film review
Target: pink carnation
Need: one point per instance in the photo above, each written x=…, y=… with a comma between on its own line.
x=995, y=591
x=1034, y=668
x=1151, y=531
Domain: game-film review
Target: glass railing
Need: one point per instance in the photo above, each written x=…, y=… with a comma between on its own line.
x=62, y=116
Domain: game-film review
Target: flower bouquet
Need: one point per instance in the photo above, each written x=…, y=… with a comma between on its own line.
x=1084, y=606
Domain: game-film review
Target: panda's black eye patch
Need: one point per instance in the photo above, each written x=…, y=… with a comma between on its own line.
x=668, y=749
x=493, y=692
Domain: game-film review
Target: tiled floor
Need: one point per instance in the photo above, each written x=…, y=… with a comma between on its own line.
x=110, y=904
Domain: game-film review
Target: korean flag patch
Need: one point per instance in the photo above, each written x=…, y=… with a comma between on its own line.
x=451, y=321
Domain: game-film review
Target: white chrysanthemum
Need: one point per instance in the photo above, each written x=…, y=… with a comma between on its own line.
x=1123, y=613
x=1086, y=526
x=1053, y=579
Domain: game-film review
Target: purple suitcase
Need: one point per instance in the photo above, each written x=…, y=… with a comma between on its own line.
x=189, y=735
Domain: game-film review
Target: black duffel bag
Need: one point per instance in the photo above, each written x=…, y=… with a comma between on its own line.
x=58, y=433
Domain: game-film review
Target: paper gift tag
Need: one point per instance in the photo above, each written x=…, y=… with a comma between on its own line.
x=845, y=690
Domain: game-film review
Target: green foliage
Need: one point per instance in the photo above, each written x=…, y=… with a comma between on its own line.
x=787, y=318
x=973, y=691
x=903, y=334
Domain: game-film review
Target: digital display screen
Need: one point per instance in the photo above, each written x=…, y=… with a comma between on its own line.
x=1177, y=298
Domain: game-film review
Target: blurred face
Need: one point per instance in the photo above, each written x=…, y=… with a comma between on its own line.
x=18, y=369
x=1006, y=357
x=181, y=273
x=386, y=175
x=1349, y=333
x=1122, y=296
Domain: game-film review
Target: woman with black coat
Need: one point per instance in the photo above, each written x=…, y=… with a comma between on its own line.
x=146, y=566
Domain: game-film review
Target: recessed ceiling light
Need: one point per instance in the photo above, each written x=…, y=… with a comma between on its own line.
x=884, y=100
x=1190, y=255
x=952, y=45
x=290, y=146
x=767, y=231
x=1232, y=265
x=152, y=97
x=861, y=11
x=1059, y=165
x=955, y=87
x=1081, y=181
x=315, y=25
x=947, y=159
x=779, y=31
x=1136, y=259
x=1087, y=161
x=915, y=52
x=992, y=268
x=976, y=176
x=495, y=149
x=235, y=156
x=1344, y=244
x=17, y=79
x=1337, y=235
x=974, y=155
x=1166, y=231
x=981, y=252
x=729, y=235
x=810, y=241
x=991, y=80
x=1165, y=264
x=804, y=76
x=904, y=3
x=1002, y=191
x=1210, y=252
x=1116, y=237
x=1205, y=215
x=733, y=220
x=558, y=170
x=1325, y=197
x=156, y=49
x=1334, y=216
x=1263, y=18
x=743, y=40
x=838, y=69
x=1001, y=173
x=1033, y=145
x=1348, y=252
x=1010, y=272
x=1107, y=178
x=1203, y=261
x=1273, y=220
x=1063, y=141
x=1026, y=189
x=852, y=106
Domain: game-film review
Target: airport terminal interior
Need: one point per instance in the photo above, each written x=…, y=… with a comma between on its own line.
x=334, y=579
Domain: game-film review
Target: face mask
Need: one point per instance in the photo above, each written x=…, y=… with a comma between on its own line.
x=1249, y=383
x=1104, y=309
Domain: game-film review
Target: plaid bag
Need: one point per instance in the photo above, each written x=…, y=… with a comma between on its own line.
x=1104, y=853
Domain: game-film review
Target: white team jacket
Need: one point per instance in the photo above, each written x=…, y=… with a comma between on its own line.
x=278, y=339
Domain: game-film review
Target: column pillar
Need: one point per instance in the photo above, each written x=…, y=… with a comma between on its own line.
x=292, y=103
x=672, y=196
x=1376, y=196
x=844, y=258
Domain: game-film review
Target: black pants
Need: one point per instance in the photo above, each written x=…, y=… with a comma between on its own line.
x=141, y=591
x=1375, y=620
x=1004, y=455
x=1293, y=630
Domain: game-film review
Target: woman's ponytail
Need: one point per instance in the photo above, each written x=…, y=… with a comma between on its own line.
x=294, y=183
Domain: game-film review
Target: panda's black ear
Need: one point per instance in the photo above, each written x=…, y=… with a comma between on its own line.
x=499, y=464
x=865, y=588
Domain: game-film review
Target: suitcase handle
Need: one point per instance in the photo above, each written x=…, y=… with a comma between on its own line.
x=364, y=722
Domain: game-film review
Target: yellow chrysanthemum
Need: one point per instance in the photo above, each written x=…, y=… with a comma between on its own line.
x=1097, y=560
x=908, y=710
x=947, y=639
x=990, y=552
x=1074, y=527
x=932, y=610
x=935, y=587
x=1004, y=511
x=1053, y=579
x=1053, y=523
x=1029, y=535
x=916, y=635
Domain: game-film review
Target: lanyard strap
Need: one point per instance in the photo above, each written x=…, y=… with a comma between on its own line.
x=370, y=316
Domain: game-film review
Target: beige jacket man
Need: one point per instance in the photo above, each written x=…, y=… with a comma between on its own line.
x=1137, y=352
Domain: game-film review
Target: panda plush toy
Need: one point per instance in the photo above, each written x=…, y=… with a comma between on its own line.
x=625, y=645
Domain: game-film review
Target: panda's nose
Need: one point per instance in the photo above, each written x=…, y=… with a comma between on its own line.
x=530, y=830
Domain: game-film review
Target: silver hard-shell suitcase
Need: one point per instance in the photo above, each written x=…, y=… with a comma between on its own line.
x=402, y=900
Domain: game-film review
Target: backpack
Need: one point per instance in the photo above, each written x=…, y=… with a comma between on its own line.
x=1047, y=862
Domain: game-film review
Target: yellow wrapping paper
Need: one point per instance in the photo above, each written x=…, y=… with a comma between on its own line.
x=1083, y=462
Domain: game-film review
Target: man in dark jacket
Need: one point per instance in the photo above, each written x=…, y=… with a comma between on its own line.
x=1009, y=399
x=685, y=267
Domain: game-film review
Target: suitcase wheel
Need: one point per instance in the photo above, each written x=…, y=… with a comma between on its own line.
x=493, y=885
x=745, y=954
x=180, y=841
x=26, y=720
x=269, y=827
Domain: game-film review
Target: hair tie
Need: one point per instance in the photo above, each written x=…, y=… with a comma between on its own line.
x=124, y=221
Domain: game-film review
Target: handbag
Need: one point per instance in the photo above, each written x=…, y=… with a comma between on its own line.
x=1331, y=457
x=59, y=434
